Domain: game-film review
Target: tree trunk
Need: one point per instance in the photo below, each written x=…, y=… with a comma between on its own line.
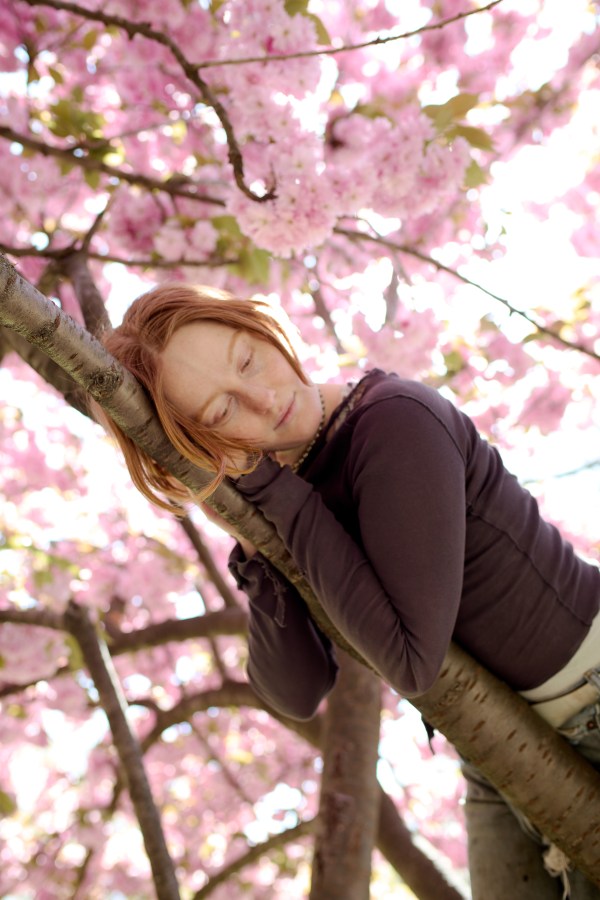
x=349, y=806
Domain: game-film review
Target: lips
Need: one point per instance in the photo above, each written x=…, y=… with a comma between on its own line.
x=286, y=414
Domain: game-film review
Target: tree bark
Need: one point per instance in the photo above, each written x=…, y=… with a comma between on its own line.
x=525, y=759
x=101, y=670
x=489, y=724
x=52, y=373
x=349, y=803
x=76, y=267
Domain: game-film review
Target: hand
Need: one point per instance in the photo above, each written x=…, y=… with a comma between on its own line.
x=214, y=517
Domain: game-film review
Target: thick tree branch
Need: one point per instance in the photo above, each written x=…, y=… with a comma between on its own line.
x=53, y=374
x=209, y=625
x=144, y=29
x=90, y=164
x=99, y=664
x=41, y=618
x=542, y=329
x=346, y=48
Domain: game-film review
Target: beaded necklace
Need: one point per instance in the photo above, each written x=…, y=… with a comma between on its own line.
x=316, y=437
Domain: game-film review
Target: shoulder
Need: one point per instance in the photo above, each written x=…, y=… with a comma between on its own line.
x=400, y=413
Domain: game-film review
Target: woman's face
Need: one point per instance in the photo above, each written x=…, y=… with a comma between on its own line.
x=240, y=386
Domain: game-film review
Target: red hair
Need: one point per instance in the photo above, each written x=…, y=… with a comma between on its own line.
x=137, y=344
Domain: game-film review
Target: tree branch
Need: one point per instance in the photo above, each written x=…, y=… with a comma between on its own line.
x=40, y=618
x=52, y=373
x=149, y=263
x=89, y=164
x=205, y=557
x=253, y=853
x=345, y=48
x=417, y=868
x=75, y=267
x=99, y=664
x=411, y=251
x=191, y=71
x=211, y=625
x=214, y=754
x=394, y=839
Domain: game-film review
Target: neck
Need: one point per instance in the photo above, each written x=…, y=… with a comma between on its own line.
x=296, y=465
x=331, y=395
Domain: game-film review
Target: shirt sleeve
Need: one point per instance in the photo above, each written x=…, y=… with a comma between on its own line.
x=395, y=597
x=291, y=663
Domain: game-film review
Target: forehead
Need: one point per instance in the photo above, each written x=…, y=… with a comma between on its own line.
x=199, y=337
x=195, y=363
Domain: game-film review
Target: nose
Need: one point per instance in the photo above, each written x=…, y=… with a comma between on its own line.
x=260, y=398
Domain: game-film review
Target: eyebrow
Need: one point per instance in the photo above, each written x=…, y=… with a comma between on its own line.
x=230, y=352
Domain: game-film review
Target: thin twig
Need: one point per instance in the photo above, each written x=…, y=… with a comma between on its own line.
x=205, y=557
x=345, y=48
x=585, y=467
x=173, y=187
x=150, y=263
x=213, y=754
x=253, y=853
x=424, y=257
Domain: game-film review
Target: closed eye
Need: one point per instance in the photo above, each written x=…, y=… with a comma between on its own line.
x=222, y=414
x=246, y=361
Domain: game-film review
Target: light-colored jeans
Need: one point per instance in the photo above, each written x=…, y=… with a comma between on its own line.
x=506, y=855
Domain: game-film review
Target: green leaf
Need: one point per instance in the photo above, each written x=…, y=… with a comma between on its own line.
x=293, y=7
x=75, y=654
x=323, y=36
x=32, y=73
x=454, y=362
x=444, y=114
x=89, y=39
x=227, y=226
x=65, y=166
x=68, y=119
x=253, y=265
x=56, y=75
x=370, y=111
x=475, y=176
x=476, y=137
x=178, y=131
x=7, y=804
x=300, y=7
x=92, y=178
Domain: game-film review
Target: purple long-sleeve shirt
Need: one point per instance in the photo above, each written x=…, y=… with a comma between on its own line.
x=412, y=534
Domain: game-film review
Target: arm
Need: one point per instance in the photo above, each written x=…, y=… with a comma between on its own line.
x=291, y=665
x=396, y=598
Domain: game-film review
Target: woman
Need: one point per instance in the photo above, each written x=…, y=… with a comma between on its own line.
x=404, y=520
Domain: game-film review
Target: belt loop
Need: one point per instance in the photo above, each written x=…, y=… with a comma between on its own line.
x=593, y=677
